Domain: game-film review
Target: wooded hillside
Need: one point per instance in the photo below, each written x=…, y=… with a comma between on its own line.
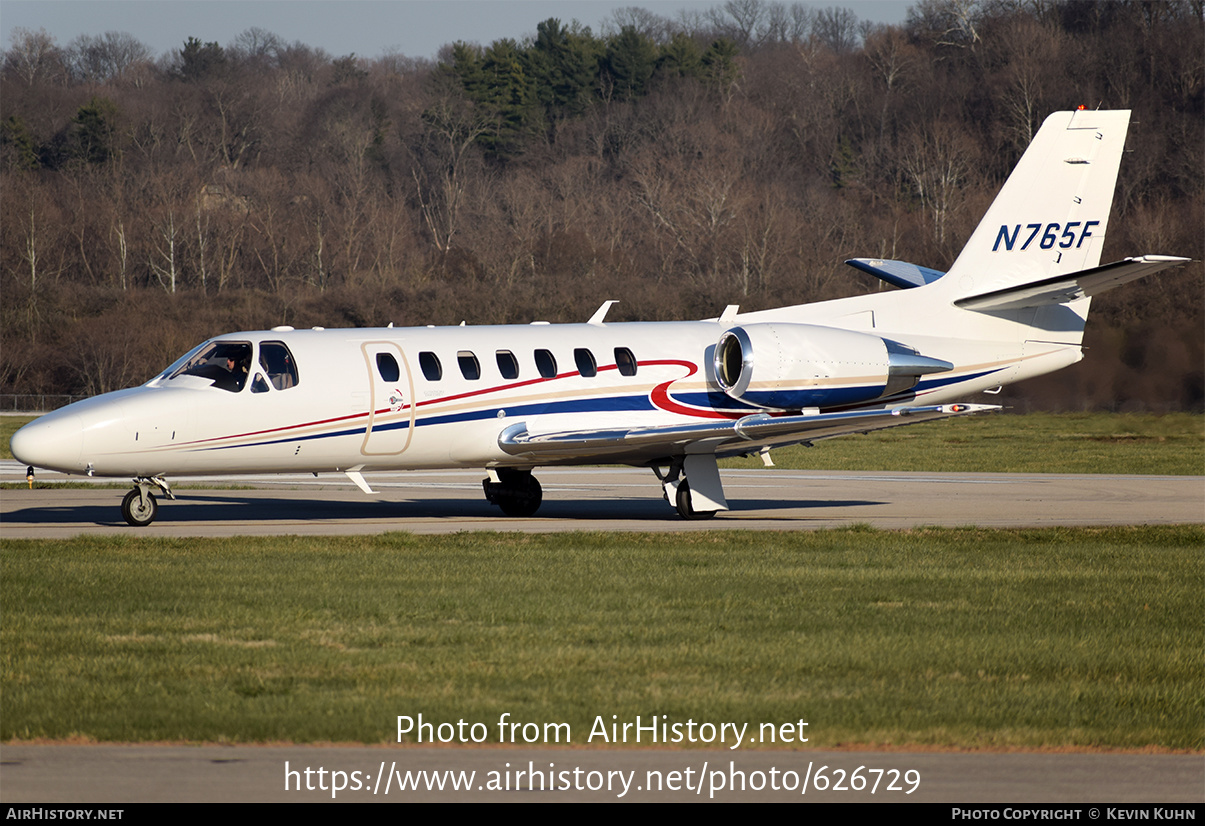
x=735, y=157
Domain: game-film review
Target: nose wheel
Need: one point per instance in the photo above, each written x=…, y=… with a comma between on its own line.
x=139, y=507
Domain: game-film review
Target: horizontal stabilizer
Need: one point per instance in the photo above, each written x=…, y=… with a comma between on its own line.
x=1061, y=289
x=732, y=437
x=897, y=273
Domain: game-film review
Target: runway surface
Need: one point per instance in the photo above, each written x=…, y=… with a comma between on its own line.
x=603, y=499
x=116, y=774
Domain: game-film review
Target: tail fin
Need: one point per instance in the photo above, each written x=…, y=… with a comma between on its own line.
x=1050, y=218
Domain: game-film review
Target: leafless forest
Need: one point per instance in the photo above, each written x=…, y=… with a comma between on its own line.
x=679, y=165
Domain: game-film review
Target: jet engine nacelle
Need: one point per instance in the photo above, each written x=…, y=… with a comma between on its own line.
x=792, y=366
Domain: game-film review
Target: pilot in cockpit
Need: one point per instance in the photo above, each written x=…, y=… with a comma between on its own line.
x=235, y=376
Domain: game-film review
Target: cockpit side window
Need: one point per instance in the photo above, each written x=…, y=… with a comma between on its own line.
x=278, y=363
x=225, y=363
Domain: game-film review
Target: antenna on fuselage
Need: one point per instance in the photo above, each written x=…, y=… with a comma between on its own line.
x=601, y=312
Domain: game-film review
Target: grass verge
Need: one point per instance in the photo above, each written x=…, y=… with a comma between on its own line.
x=1168, y=445
x=1080, y=638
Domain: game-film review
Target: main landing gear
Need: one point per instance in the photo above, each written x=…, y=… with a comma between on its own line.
x=517, y=492
x=139, y=507
x=707, y=498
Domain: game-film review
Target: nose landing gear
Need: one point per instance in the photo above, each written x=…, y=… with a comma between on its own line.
x=139, y=507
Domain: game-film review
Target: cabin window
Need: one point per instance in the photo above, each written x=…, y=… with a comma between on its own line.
x=586, y=366
x=387, y=367
x=432, y=369
x=508, y=365
x=277, y=362
x=625, y=361
x=546, y=364
x=470, y=368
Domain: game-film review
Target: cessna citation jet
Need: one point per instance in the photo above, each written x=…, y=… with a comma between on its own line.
x=673, y=396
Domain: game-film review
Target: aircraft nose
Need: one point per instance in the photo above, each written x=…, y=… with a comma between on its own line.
x=51, y=442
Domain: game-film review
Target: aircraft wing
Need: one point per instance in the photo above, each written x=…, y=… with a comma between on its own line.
x=1064, y=288
x=728, y=438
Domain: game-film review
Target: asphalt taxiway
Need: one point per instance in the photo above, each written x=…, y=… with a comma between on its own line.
x=603, y=499
x=113, y=774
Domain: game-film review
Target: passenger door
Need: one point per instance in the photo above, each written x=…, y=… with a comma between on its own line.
x=391, y=393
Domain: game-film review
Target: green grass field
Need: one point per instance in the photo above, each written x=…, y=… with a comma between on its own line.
x=1081, y=638
x=1167, y=445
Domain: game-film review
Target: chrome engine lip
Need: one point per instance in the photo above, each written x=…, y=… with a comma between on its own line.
x=745, y=343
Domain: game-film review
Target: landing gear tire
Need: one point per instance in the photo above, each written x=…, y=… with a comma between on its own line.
x=685, y=509
x=517, y=493
x=135, y=512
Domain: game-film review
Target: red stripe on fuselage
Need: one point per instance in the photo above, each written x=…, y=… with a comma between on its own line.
x=659, y=396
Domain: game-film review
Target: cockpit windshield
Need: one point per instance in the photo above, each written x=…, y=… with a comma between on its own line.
x=231, y=365
x=224, y=363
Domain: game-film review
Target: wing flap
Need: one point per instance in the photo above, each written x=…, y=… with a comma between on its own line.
x=742, y=435
x=1061, y=289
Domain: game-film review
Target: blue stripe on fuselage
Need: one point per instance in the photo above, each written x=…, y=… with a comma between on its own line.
x=704, y=400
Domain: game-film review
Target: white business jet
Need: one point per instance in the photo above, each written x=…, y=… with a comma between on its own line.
x=670, y=396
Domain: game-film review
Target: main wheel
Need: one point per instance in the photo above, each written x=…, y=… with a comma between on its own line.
x=685, y=509
x=522, y=502
x=135, y=512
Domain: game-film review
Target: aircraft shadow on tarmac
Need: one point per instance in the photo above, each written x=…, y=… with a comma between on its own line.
x=190, y=508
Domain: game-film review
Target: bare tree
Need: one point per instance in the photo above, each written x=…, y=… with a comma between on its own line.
x=104, y=57
x=453, y=126
x=34, y=57
x=836, y=28
x=892, y=57
x=939, y=160
x=951, y=23
x=646, y=23
x=1031, y=55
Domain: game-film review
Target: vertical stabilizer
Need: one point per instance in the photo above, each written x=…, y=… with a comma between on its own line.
x=1050, y=218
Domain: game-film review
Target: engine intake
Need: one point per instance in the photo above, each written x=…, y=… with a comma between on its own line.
x=788, y=366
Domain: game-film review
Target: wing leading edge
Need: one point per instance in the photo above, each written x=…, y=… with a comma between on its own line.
x=745, y=435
